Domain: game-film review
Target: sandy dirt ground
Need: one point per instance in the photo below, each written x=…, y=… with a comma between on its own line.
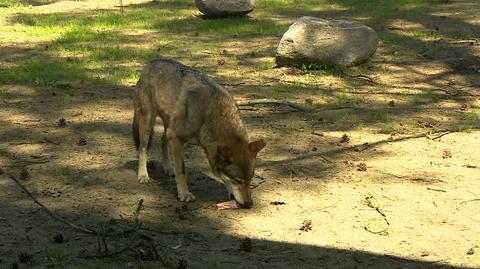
x=415, y=205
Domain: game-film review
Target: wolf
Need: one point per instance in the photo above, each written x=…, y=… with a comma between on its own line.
x=193, y=108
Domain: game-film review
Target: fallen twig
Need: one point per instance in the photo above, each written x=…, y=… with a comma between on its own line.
x=270, y=101
x=50, y=213
x=102, y=234
x=321, y=208
x=136, y=215
x=255, y=185
x=68, y=223
x=248, y=108
x=372, y=202
x=383, y=232
x=133, y=244
x=151, y=243
x=433, y=189
x=51, y=141
x=121, y=6
x=336, y=108
x=324, y=158
x=438, y=135
x=360, y=76
x=233, y=84
x=362, y=147
x=468, y=201
x=469, y=41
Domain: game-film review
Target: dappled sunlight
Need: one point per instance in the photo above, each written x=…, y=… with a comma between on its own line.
x=395, y=135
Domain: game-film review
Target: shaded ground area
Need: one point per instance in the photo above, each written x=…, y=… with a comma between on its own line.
x=415, y=205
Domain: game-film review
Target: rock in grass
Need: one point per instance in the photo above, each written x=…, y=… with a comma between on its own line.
x=312, y=40
x=225, y=8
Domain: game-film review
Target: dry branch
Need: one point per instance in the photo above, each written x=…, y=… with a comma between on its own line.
x=255, y=185
x=131, y=246
x=102, y=234
x=270, y=101
x=50, y=213
x=336, y=108
x=468, y=201
x=438, y=135
x=383, y=232
x=324, y=158
x=360, y=76
x=372, y=202
x=434, y=189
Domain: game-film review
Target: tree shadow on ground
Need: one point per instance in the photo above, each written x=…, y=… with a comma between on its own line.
x=208, y=240
x=117, y=179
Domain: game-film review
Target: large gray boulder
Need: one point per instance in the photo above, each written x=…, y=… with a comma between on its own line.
x=313, y=40
x=225, y=8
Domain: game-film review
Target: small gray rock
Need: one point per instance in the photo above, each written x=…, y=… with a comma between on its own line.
x=313, y=40
x=225, y=8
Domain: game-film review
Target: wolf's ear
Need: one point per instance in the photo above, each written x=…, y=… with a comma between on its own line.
x=256, y=146
x=224, y=154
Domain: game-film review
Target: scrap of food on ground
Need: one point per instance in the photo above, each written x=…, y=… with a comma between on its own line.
x=370, y=113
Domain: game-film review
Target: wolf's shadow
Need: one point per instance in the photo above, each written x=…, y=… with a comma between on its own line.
x=200, y=184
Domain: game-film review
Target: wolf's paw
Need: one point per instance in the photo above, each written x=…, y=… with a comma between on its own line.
x=186, y=197
x=168, y=170
x=143, y=179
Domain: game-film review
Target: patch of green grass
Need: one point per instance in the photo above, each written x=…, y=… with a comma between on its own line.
x=268, y=64
x=382, y=7
x=284, y=129
x=345, y=118
x=286, y=88
x=341, y=100
x=466, y=128
x=42, y=72
x=427, y=98
x=378, y=116
x=472, y=119
x=99, y=38
x=23, y=3
x=227, y=27
x=388, y=129
x=53, y=255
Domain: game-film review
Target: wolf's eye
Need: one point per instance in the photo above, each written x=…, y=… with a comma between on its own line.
x=233, y=174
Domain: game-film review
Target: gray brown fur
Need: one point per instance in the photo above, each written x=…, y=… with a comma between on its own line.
x=193, y=107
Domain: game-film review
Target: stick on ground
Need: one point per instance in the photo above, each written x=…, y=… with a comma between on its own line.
x=50, y=213
x=270, y=101
x=102, y=234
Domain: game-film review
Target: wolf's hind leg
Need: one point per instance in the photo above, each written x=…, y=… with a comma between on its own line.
x=146, y=122
x=168, y=169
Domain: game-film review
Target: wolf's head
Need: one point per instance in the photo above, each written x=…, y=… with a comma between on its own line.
x=235, y=167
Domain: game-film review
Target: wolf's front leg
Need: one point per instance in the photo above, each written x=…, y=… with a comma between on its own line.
x=142, y=165
x=143, y=129
x=179, y=155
